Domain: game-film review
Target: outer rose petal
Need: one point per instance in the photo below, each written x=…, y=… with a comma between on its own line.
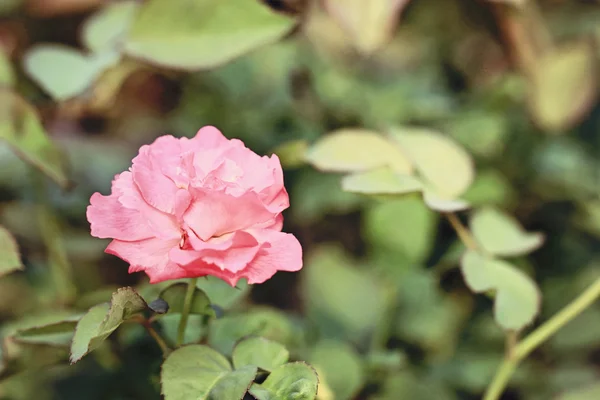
x=150, y=256
x=283, y=254
x=109, y=219
x=233, y=254
x=214, y=213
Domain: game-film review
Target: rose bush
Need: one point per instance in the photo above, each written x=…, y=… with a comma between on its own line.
x=196, y=207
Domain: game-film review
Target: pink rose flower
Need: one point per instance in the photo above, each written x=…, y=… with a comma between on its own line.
x=195, y=207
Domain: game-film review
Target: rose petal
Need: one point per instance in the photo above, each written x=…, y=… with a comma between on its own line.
x=109, y=219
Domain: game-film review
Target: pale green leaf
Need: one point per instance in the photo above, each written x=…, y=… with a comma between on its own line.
x=199, y=372
x=263, y=353
x=564, y=86
x=64, y=72
x=404, y=225
x=175, y=294
x=200, y=34
x=354, y=150
x=21, y=128
x=443, y=204
x=339, y=366
x=501, y=235
x=57, y=333
x=108, y=27
x=291, y=153
x=102, y=320
x=517, y=299
x=10, y=259
x=296, y=381
x=445, y=165
x=380, y=181
x=370, y=24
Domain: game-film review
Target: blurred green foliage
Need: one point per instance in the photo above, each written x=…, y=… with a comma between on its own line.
x=381, y=309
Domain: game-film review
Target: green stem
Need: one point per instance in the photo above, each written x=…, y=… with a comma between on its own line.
x=187, y=305
x=159, y=340
x=539, y=336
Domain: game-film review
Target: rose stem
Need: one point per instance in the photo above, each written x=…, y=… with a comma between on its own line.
x=187, y=305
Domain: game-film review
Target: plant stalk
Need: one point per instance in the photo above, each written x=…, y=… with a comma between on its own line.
x=187, y=305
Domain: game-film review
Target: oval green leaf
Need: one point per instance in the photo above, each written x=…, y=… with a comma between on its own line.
x=174, y=295
x=296, y=381
x=517, y=300
x=445, y=165
x=199, y=372
x=380, y=181
x=109, y=26
x=102, y=320
x=201, y=34
x=263, y=353
x=501, y=235
x=340, y=368
x=354, y=150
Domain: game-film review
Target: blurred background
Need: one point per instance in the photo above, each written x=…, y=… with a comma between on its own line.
x=380, y=308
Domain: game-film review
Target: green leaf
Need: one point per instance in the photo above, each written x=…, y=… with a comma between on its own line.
x=591, y=392
x=7, y=75
x=199, y=372
x=221, y=293
x=446, y=166
x=107, y=28
x=342, y=300
x=296, y=381
x=46, y=65
x=174, y=295
x=380, y=181
x=263, y=353
x=58, y=333
x=339, y=368
x=22, y=129
x=291, y=153
x=10, y=259
x=490, y=188
x=384, y=221
x=225, y=332
x=501, y=235
x=200, y=34
x=442, y=203
x=517, y=299
x=355, y=150
x=102, y=320
x=564, y=86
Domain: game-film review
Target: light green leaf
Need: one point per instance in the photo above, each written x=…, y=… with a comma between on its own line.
x=404, y=225
x=200, y=34
x=370, y=24
x=64, y=72
x=443, y=204
x=380, y=181
x=107, y=28
x=354, y=150
x=591, y=392
x=501, y=235
x=102, y=320
x=58, y=333
x=342, y=300
x=10, y=260
x=446, y=166
x=339, y=367
x=291, y=153
x=564, y=86
x=199, y=372
x=174, y=295
x=517, y=300
x=221, y=293
x=296, y=381
x=21, y=128
x=7, y=75
x=263, y=353
x=490, y=188
x=225, y=332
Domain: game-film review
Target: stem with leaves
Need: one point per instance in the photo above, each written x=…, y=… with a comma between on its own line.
x=187, y=305
x=517, y=351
